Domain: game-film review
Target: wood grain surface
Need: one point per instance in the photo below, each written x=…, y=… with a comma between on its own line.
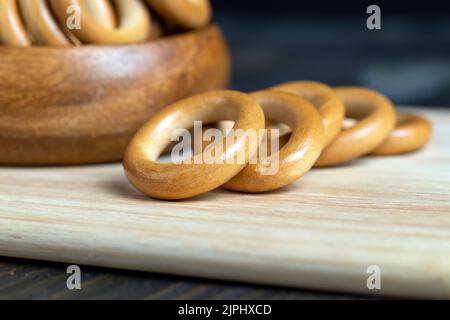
x=320, y=233
x=84, y=104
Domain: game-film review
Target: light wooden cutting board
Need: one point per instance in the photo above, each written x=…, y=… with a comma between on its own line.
x=322, y=233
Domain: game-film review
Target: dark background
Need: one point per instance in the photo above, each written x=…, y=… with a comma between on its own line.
x=274, y=41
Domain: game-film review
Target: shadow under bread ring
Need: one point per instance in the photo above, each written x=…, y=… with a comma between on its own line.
x=375, y=117
x=172, y=181
x=296, y=157
x=411, y=133
x=324, y=99
x=190, y=14
x=134, y=23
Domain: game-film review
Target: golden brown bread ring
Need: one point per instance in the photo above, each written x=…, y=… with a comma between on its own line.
x=296, y=157
x=411, y=133
x=41, y=24
x=134, y=24
x=324, y=99
x=375, y=117
x=103, y=11
x=179, y=181
x=190, y=14
x=12, y=30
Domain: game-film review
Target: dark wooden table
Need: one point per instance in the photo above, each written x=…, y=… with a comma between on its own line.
x=340, y=51
x=20, y=279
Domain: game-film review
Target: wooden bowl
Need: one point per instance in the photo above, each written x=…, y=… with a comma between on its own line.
x=83, y=105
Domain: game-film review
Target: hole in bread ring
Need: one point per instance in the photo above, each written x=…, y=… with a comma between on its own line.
x=324, y=99
x=296, y=157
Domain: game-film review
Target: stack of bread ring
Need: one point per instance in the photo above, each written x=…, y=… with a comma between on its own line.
x=325, y=127
x=48, y=22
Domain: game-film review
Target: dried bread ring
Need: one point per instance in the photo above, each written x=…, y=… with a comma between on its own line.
x=324, y=99
x=134, y=24
x=296, y=157
x=103, y=11
x=190, y=14
x=172, y=181
x=411, y=133
x=375, y=117
x=41, y=24
x=12, y=29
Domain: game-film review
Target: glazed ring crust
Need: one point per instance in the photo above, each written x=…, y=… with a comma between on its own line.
x=411, y=133
x=42, y=26
x=103, y=11
x=375, y=117
x=190, y=14
x=297, y=156
x=134, y=23
x=172, y=181
x=12, y=30
x=324, y=99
